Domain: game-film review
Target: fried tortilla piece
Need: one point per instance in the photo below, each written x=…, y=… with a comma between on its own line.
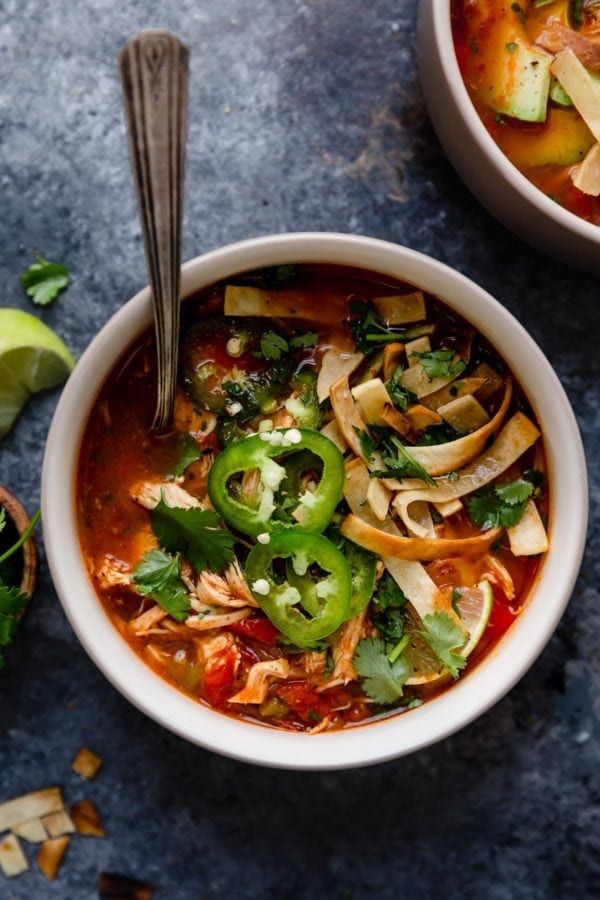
x=50, y=856
x=30, y=806
x=86, y=763
x=12, y=858
x=86, y=819
x=58, y=824
x=120, y=887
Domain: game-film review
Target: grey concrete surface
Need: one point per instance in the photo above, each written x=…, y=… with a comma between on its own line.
x=304, y=114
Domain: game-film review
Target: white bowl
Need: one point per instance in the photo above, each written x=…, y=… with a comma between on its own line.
x=358, y=745
x=494, y=180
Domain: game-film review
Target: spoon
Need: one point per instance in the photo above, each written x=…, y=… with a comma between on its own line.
x=154, y=77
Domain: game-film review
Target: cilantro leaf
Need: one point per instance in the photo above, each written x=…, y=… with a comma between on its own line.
x=158, y=575
x=403, y=465
x=499, y=504
x=518, y=11
x=383, y=681
x=272, y=345
x=390, y=624
x=388, y=592
x=12, y=600
x=438, y=434
x=400, y=396
x=445, y=637
x=188, y=454
x=2, y=518
x=368, y=444
x=196, y=533
x=440, y=363
x=43, y=281
x=369, y=329
x=304, y=341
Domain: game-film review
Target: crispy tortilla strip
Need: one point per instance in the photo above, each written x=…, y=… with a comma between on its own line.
x=556, y=39
x=421, y=513
x=416, y=379
x=528, y=537
x=86, y=819
x=119, y=887
x=393, y=355
x=58, y=824
x=335, y=365
x=86, y=763
x=33, y=832
x=30, y=806
x=516, y=437
x=12, y=858
x=418, y=345
x=410, y=576
x=421, y=417
x=586, y=177
x=464, y=413
x=346, y=413
x=259, y=679
x=461, y=388
x=332, y=431
x=449, y=508
x=372, y=397
x=581, y=88
x=438, y=459
x=244, y=300
x=416, y=548
x=401, y=309
x=399, y=422
x=378, y=498
x=50, y=856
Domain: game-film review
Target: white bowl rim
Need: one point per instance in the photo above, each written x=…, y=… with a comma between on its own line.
x=440, y=10
x=394, y=736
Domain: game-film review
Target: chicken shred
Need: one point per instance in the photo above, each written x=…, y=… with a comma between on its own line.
x=259, y=679
x=148, y=494
x=143, y=623
x=497, y=574
x=343, y=649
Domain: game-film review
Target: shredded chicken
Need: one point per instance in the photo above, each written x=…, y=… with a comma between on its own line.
x=229, y=589
x=283, y=419
x=143, y=623
x=259, y=679
x=556, y=38
x=314, y=662
x=209, y=645
x=343, y=650
x=322, y=726
x=148, y=494
x=210, y=617
x=250, y=485
x=497, y=574
x=187, y=417
x=112, y=572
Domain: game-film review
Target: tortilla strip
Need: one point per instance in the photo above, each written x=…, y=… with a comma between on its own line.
x=12, y=858
x=33, y=832
x=438, y=459
x=50, y=856
x=245, y=300
x=586, y=177
x=580, y=87
x=347, y=414
x=528, y=537
x=335, y=365
x=415, y=548
x=556, y=38
x=416, y=379
x=332, y=431
x=462, y=388
x=30, y=806
x=516, y=437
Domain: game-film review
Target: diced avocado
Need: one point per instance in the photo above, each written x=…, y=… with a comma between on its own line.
x=516, y=80
x=558, y=93
x=562, y=141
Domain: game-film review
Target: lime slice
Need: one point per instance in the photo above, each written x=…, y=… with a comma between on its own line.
x=32, y=358
x=474, y=607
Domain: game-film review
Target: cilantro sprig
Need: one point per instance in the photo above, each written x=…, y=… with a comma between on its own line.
x=12, y=600
x=445, y=638
x=383, y=680
x=400, y=463
x=197, y=533
x=273, y=345
x=43, y=280
x=370, y=331
x=188, y=454
x=500, y=504
x=440, y=363
x=400, y=396
x=158, y=575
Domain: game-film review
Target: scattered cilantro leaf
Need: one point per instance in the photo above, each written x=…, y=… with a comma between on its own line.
x=368, y=445
x=499, y=504
x=370, y=331
x=440, y=363
x=196, y=533
x=403, y=465
x=43, y=281
x=158, y=575
x=445, y=637
x=400, y=396
x=272, y=345
x=456, y=595
x=534, y=476
x=304, y=341
x=438, y=434
x=389, y=594
x=518, y=11
x=12, y=602
x=188, y=453
x=390, y=624
x=383, y=681
x=512, y=47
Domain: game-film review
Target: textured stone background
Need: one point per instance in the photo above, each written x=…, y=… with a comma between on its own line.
x=304, y=115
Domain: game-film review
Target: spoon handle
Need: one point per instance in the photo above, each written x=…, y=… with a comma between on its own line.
x=154, y=76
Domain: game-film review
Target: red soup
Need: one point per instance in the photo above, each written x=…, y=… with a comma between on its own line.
x=346, y=516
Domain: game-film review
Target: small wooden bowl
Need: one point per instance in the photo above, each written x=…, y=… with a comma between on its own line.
x=20, y=519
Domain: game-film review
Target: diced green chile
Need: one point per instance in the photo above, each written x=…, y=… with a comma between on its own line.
x=205, y=379
x=305, y=408
x=313, y=597
x=310, y=510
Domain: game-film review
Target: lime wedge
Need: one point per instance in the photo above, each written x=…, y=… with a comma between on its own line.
x=474, y=607
x=32, y=358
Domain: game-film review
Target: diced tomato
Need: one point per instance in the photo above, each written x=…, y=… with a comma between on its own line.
x=308, y=704
x=256, y=628
x=219, y=675
x=500, y=619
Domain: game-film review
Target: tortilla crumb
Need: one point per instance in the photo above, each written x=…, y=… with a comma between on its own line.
x=12, y=858
x=120, y=887
x=86, y=763
x=86, y=819
x=50, y=856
